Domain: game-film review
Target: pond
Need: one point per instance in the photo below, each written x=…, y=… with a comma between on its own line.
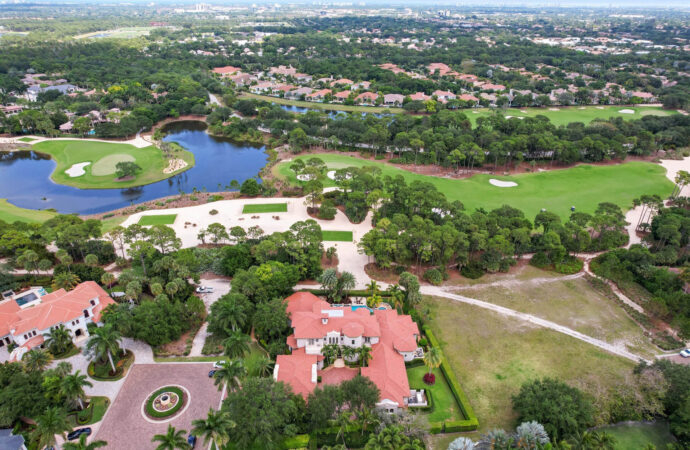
x=25, y=175
x=332, y=114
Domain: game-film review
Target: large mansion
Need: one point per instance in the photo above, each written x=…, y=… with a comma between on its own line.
x=26, y=318
x=316, y=323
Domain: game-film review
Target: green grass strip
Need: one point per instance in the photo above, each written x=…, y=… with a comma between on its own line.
x=337, y=236
x=161, y=219
x=264, y=208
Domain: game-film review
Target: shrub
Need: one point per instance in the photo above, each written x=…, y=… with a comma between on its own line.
x=429, y=378
x=213, y=212
x=473, y=270
x=159, y=415
x=540, y=260
x=327, y=210
x=570, y=265
x=214, y=198
x=433, y=276
x=423, y=342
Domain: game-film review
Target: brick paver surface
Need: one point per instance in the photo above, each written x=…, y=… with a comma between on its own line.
x=123, y=426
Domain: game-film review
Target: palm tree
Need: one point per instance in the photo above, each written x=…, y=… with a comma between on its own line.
x=172, y=440
x=64, y=258
x=373, y=287
x=156, y=289
x=330, y=353
x=52, y=422
x=346, y=282
x=432, y=358
x=364, y=354
x=236, y=345
x=63, y=368
x=36, y=360
x=368, y=418
x=397, y=297
x=107, y=279
x=230, y=315
x=104, y=342
x=343, y=420
x=229, y=374
x=602, y=440
x=66, y=281
x=91, y=260
x=82, y=445
x=214, y=428
x=72, y=388
x=348, y=352
x=261, y=366
x=171, y=288
x=59, y=340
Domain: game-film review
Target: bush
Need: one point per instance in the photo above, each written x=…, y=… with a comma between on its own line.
x=422, y=342
x=159, y=415
x=433, y=276
x=429, y=378
x=540, y=260
x=472, y=271
x=213, y=212
x=327, y=210
x=214, y=198
x=298, y=441
x=570, y=265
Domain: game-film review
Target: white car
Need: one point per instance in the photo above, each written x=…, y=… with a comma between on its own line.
x=218, y=364
x=685, y=353
x=204, y=290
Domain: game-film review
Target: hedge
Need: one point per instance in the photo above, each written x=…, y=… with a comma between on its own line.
x=298, y=441
x=161, y=415
x=353, y=293
x=353, y=436
x=451, y=426
x=414, y=363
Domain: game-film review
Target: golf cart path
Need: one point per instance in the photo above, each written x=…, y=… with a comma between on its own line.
x=506, y=312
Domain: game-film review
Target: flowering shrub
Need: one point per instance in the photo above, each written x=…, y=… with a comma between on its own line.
x=429, y=378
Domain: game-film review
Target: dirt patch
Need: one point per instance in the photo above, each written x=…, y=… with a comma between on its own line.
x=178, y=347
x=329, y=264
x=127, y=178
x=213, y=276
x=378, y=274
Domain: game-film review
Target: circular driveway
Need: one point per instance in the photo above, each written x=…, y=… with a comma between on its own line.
x=124, y=428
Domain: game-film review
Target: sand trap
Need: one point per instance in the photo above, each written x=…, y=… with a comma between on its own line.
x=599, y=107
x=77, y=170
x=174, y=165
x=500, y=183
x=581, y=107
x=475, y=112
x=331, y=175
x=627, y=111
x=509, y=117
x=554, y=109
x=305, y=177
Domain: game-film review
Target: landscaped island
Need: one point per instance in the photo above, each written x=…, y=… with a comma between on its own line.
x=102, y=158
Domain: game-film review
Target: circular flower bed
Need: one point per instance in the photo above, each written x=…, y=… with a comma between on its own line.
x=165, y=402
x=429, y=378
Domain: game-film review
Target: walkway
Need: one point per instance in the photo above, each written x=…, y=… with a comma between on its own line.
x=441, y=292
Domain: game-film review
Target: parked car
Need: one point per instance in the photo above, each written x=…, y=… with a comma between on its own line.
x=685, y=353
x=74, y=434
x=218, y=364
x=211, y=373
x=191, y=440
x=204, y=290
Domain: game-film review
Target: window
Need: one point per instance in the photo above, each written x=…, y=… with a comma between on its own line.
x=86, y=313
x=353, y=342
x=93, y=302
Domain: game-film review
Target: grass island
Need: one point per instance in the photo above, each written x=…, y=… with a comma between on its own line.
x=95, y=163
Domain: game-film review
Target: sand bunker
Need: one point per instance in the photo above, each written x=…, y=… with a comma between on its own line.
x=554, y=109
x=627, y=111
x=331, y=175
x=599, y=107
x=305, y=177
x=174, y=165
x=77, y=170
x=500, y=183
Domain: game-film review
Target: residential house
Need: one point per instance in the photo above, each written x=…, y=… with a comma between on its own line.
x=341, y=96
x=26, y=317
x=468, y=98
x=66, y=127
x=226, y=71
x=282, y=70
x=11, y=110
x=443, y=96
x=262, y=87
x=367, y=98
x=318, y=96
x=342, y=82
x=420, y=96
x=491, y=98
x=11, y=441
x=282, y=89
x=645, y=96
x=298, y=93
x=393, y=99
x=361, y=85
x=241, y=79
x=33, y=91
x=316, y=323
x=303, y=78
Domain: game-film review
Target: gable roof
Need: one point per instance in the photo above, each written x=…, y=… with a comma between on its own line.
x=298, y=370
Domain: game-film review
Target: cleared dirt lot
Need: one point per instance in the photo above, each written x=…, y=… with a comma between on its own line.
x=125, y=428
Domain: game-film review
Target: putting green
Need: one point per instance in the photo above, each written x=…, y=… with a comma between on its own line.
x=583, y=186
x=106, y=165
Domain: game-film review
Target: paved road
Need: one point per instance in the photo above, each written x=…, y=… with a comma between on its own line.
x=220, y=288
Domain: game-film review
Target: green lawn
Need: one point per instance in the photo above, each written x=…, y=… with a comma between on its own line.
x=339, y=236
x=565, y=115
x=493, y=355
x=10, y=213
x=26, y=139
x=445, y=406
x=264, y=208
x=635, y=437
x=324, y=106
x=111, y=222
x=158, y=219
x=103, y=156
x=583, y=186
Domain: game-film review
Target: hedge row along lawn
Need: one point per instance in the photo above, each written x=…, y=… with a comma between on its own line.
x=264, y=208
x=10, y=213
x=103, y=156
x=444, y=405
x=337, y=236
x=583, y=186
x=158, y=219
x=160, y=415
x=324, y=106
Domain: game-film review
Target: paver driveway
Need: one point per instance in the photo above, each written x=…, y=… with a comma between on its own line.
x=123, y=426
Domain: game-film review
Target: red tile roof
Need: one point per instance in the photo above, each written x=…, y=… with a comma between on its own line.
x=227, y=70
x=8, y=315
x=367, y=96
x=342, y=94
x=387, y=370
x=296, y=370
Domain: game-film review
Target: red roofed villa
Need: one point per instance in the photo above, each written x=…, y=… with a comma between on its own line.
x=316, y=323
x=226, y=71
x=29, y=315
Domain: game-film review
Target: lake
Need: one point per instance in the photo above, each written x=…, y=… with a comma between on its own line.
x=333, y=114
x=25, y=175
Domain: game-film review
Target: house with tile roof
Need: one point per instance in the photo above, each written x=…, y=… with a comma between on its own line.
x=25, y=318
x=367, y=98
x=316, y=323
x=341, y=96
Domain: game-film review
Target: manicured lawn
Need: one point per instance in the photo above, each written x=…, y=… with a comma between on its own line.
x=583, y=186
x=111, y=222
x=103, y=156
x=445, y=406
x=158, y=219
x=565, y=115
x=635, y=437
x=26, y=139
x=573, y=303
x=493, y=355
x=324, y=106
x=10, y=213
x=339, y=236
x=264, y=208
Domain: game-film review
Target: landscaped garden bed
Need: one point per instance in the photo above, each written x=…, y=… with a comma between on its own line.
x=102, y=371
x=165, y=402
x=93, y=413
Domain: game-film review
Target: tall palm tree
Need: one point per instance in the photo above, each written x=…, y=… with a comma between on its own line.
x=82, y=445
x=63, y=369
x=173, y=439
x=261, y=366
x=72, y=388
x=104, y=343
x=330, y=353
x=343, y=420
x=373, y=287
x=36, y=360
x=59, y=340
x=230, y=315
x=107, y=279
x=236, y=345
x=214, y=428
x=432, y=358
x=602, y=440
x=229, y=374
x=66, y=281
x=364, y=354
x=52, y=422
x=348, y=352
x=397, y=297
